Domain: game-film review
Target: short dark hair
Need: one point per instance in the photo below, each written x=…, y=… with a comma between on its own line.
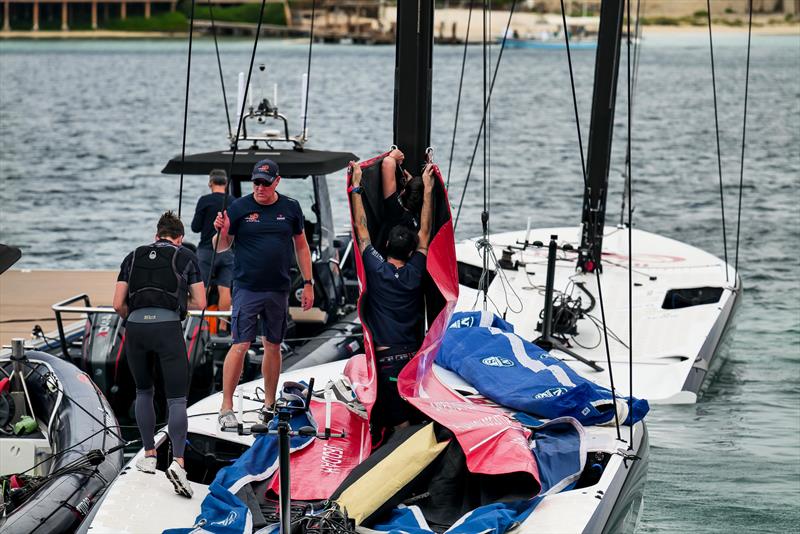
x=218, y=177
x=412, y=195
x=401, y=243
x=169, y=225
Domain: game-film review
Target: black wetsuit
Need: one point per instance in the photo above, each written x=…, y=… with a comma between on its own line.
x=158, y=278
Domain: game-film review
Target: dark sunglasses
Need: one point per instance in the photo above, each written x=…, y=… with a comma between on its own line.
x=262, y=183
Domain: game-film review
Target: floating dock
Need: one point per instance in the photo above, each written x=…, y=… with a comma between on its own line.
x=27, y=297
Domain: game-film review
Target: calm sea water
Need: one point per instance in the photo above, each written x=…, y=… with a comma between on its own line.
x=86, y=127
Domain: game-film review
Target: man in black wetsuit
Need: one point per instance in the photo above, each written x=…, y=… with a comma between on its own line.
x=156, y=285
x=393, y=308
x=203, y=223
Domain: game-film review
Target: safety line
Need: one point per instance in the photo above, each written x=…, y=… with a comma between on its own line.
x=458, y=99
x=186, y=107
x=716, y=131
x=483, y=120
x=744, y=130
x=219, y=67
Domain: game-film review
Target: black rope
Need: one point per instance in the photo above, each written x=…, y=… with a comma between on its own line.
x=186, y=107
x=483, y=120
x=485, y=213
x=716, y=130
x=630, y=241
x=219, y=67
x=636, y=55
x=574, y=96
x=458, y=100
x=744, y=130
x=608, y=351
x=308, y=67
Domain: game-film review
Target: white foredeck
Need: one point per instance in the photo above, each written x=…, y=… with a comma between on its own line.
x=138, y=502
x=666, y=342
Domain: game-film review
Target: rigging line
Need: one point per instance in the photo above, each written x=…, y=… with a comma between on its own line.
x=636, y=55
x=744, y=130
x=716, y=131
x=458, y=99
x=186, y=106
x=574, y=96
x=219, y=67
x=483, y=120
x=487, y=131
x=234, y=149
x=308, y=67
x=630, y=240
x=485, y=213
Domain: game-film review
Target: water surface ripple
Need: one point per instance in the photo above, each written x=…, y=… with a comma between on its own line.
x=85, y=128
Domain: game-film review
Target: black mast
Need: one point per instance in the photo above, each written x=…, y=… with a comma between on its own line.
x=601, y=131
x=412, y=80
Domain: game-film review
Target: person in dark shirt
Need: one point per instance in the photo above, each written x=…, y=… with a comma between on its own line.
x=402, y=196
x=203, y=223
x=393, y=308
x=266, y=232
x=156, y=285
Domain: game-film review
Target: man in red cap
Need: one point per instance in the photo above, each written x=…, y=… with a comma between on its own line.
x=265, y=229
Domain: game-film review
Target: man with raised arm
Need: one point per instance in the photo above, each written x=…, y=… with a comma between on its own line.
x=393, y=309
x=266, y=231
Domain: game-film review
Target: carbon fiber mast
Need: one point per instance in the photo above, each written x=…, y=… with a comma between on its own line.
x=601, y=132
x=413, y=77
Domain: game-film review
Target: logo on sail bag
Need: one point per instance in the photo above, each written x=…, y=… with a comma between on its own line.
x=152, y=255
x=464, y=322
x=497, y=361
x=550, y=393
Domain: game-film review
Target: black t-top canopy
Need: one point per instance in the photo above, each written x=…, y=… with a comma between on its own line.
x=8, y=257
x=291, y=163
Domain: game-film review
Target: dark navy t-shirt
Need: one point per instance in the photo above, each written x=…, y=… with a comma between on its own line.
x=204, y=214
x=394, y=296
x=263, y=247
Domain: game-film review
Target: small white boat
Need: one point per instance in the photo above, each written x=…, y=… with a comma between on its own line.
x=684, y=303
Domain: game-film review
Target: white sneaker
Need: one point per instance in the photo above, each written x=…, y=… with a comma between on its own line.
x=177, y=475
x=227, y=421
x=146, y=464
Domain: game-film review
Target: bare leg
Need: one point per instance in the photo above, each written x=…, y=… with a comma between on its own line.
x=232, y=372
x=224, y=304
x=270, y=368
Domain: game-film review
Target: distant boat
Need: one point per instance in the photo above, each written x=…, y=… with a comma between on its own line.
x=548, y=44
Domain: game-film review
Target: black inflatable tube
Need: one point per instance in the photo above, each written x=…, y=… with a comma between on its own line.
x=62, y=504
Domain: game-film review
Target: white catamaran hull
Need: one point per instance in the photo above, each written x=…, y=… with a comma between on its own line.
x=138, y=502
x=676, y=349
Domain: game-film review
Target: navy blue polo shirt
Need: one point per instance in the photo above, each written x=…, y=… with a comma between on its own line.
x=204, y=214
x=394, y=296
x=263, y=248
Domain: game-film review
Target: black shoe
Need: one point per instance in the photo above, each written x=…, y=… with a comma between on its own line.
x=266, y=413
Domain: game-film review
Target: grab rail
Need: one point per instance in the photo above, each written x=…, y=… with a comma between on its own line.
x=65, y=307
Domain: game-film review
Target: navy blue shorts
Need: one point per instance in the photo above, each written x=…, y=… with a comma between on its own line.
x=223, y=266
x=271, y=306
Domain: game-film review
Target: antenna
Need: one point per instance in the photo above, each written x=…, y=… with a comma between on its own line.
x=303, y=113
